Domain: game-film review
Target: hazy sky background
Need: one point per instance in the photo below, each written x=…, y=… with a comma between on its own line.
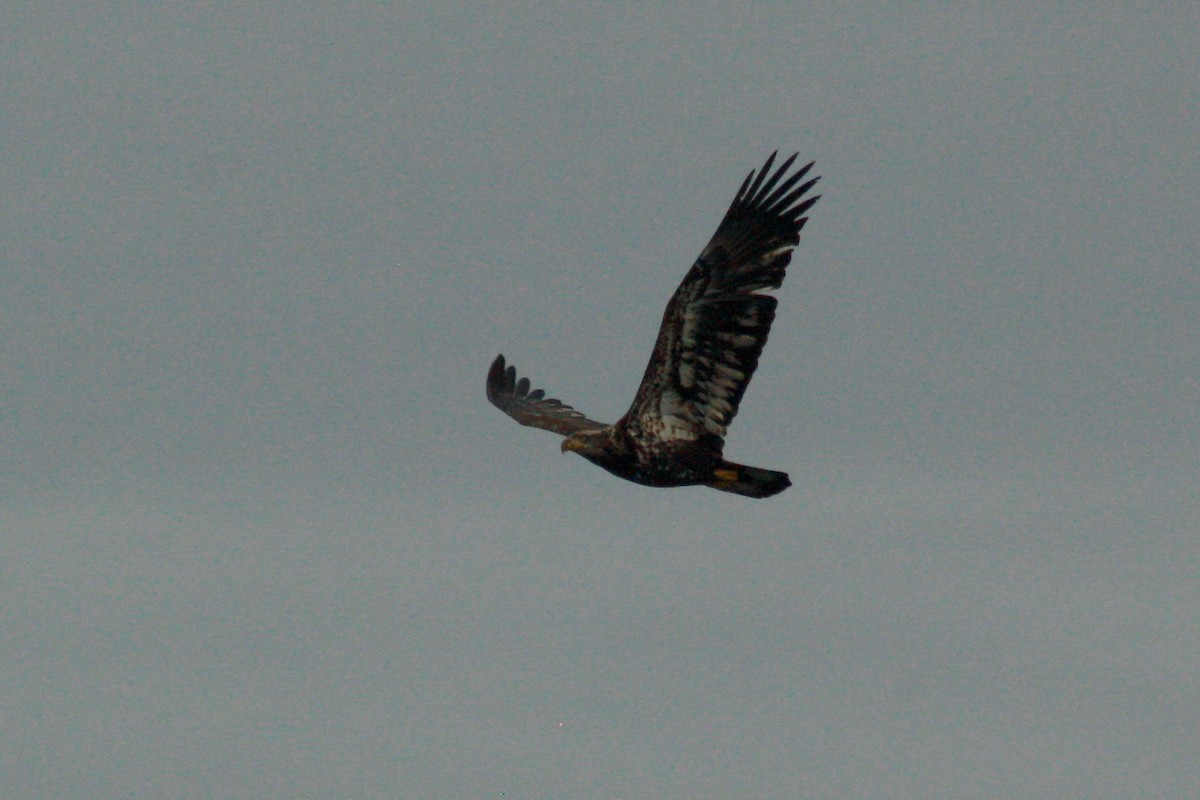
x=263, y=536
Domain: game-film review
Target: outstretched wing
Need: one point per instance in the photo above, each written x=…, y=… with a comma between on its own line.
x=716, y=324
x=513, y=397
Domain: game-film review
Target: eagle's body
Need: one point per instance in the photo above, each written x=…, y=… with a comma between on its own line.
x=670, y=463
x=712, y=334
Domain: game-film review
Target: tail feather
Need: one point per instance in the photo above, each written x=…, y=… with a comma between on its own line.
x=749, y=481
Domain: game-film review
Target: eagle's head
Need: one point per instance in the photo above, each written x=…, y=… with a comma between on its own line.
x=586, y=443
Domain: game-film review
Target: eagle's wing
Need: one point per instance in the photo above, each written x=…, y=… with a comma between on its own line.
x=513, y=397
x=716, y=324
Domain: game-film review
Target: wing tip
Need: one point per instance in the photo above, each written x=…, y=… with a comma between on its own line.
x=762, y=188
x=500, y=379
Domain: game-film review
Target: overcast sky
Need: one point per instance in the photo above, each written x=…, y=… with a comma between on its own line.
x=262, y=535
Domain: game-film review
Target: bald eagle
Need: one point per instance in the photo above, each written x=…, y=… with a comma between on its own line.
x=711, y=336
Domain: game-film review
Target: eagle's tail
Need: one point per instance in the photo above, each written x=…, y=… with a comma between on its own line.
x=748, y=481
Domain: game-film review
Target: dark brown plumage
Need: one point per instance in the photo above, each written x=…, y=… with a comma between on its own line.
x=708, y=346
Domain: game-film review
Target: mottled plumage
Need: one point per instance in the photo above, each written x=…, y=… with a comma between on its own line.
x=712, y=334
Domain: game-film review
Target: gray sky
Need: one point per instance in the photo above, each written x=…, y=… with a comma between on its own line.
x=264, y=537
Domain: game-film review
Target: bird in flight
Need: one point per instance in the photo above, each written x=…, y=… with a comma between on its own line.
x=711, y=336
